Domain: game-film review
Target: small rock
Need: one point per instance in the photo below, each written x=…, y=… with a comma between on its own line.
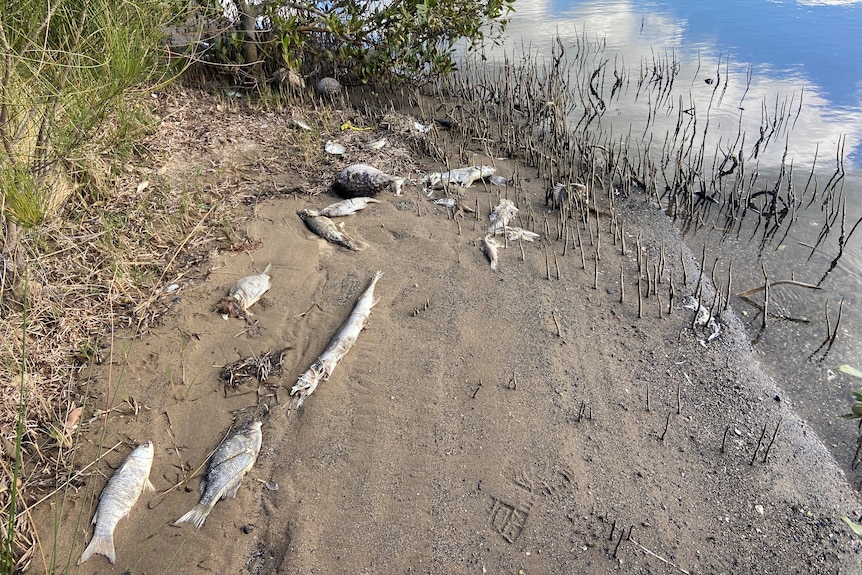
x=328, y=87
x=247, y=529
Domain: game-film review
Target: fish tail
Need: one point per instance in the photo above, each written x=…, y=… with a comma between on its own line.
x=197, y=515
x=103, y=544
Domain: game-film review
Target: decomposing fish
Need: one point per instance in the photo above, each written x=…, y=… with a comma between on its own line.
x=117, y=499
x=489, y=245
x=245, y=293
x=359, y=180
x=334, y=148
x=346, y=207
x=338, y=347
x=326, y=228
x=703, y=319
x=227, y=466
x=514, y=234
x=460, y=176
x=502, y=214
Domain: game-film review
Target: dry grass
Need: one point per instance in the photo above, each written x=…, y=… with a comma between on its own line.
x=106, y=264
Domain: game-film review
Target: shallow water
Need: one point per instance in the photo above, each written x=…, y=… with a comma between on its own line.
x=793, y=66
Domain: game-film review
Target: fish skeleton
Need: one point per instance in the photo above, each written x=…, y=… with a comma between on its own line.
x=489, y=245
x=227, y=466
x=245, y=293
x=117, y=499
x=359, y=180
x=326, y=228
x=346, y=207
x=338, y=347
x=502, y=214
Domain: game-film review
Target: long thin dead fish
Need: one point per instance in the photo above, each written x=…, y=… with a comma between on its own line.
x=338, y=347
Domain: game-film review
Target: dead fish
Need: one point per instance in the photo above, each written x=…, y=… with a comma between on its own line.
x=346, y=207
x=326, y=228
x=376, y=144
x=338, y=346
x=489, y=246
x=245, y=293
x=334, y=148
x=461, y=176
x=363, y=180
x=514, y=234
x=502, y=214
x=117, y=499
x=227, y=466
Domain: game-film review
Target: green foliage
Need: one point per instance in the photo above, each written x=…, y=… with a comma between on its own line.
x=856, y=408
x=362, y=41
x=66, y=69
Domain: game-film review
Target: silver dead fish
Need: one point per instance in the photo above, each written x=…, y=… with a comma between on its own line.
x=502, y=214
x=360, y=180
x=514, y=234
x=228, y=465
x=461, y=176
x=245, y=293
x=338, y=347
x=326, y=228
x=490, y=245
x=117, y=499
x=346, y=207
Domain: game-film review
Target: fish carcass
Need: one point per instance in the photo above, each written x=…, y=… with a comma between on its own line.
x=228, y=465
x=245, y=293
x=489, y=245
x=360, y=180
x=502, y=214
x=326, y=228
x=460, y=176
x=346, y=207
x=338, y=347
x=117, y=499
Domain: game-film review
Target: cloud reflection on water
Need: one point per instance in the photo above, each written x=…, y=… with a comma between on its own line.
x=634, y=34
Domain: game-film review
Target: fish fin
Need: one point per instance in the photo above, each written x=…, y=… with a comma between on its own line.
x=398, y=186
x=197, y=515
x=101, y=544
x=266, y=269
x=148, y=485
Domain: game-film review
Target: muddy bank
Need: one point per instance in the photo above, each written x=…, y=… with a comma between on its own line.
x=519, y=420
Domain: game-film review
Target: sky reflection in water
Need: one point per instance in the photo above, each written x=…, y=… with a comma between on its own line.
x=810, y=48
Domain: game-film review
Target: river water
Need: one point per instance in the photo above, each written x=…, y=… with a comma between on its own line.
x=793, y=67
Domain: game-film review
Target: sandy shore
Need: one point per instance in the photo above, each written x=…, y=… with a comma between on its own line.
x=519, y=421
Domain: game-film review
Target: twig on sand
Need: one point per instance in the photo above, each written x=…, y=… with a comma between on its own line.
x=659, y=557
x=771, y=285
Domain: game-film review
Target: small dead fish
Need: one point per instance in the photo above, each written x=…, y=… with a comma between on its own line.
x=334, y=148
x=447, y=202
x=346, y=207
x=326, y=228
x=461, y=176
x=502, y=214
x=245, y=293
x=117, y=499
x=231, y=461
x=376, y=144
x=359, y=180
x=514, y=234
x=489, y=246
